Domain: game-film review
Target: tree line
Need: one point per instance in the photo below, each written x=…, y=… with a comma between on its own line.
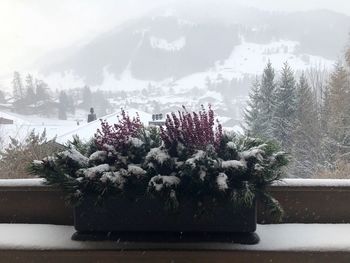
x=33, y=96
x=309, y=118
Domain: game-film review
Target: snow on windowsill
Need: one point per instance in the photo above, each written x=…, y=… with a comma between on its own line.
x=38, y=182
x=280, y=237
x=34, y=182
x=313, y=182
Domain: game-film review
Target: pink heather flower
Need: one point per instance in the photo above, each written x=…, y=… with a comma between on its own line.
x=193, y=130
x=118, y=134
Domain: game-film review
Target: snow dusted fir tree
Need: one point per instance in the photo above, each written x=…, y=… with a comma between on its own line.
x=191, y=158
x=335, y=118
x=313, y=129
x=252, y=114
x=284, y=114
x=261, y=106
x=306, y=134
x=268, y=89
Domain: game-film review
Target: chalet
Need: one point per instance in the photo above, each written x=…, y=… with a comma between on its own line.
x=157, y=120
x=5, y=121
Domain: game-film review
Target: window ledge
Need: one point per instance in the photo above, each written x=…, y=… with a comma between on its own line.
x=303, y=200
x=279, y=243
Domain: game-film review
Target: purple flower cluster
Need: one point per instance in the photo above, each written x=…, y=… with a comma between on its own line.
x=118, y=134
x=193, y=130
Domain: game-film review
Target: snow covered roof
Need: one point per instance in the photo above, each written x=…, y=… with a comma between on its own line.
x=17, y=119
x=86, y=131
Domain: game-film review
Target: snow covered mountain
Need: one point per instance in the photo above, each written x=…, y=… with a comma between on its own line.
x=198, y=54
x=183, y=46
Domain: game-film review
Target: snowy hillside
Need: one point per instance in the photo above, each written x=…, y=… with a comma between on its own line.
x=247, y=58
x=251, y=58
x=180, y=48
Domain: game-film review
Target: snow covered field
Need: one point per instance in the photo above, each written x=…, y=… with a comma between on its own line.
x=64, y=130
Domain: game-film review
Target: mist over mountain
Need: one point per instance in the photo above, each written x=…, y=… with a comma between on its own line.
x=175, y=43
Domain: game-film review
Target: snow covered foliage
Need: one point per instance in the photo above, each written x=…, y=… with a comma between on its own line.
x=74, y=156
x=221, y=181
x=159, y=182
x=186, y=160
x=98, y=156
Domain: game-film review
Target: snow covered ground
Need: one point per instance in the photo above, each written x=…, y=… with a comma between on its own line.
x=251, y=58
x=88, y=130
x=62, y=129
x=163, y=44
x=24, y=124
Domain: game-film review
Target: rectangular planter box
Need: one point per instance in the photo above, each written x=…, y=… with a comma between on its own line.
x=119, y=215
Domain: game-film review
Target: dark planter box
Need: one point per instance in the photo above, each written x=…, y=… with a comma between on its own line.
x=146, y=219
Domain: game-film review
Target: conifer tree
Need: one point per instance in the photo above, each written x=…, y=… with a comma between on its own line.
x=252, y=114
x=17, y=86
x=337, y=113
x=62, y=106
x=306, y=132
x=30, y=96
x=285, y=109
x=41, y=90
x=326, y=158
x=267, y=93
x=260, y=109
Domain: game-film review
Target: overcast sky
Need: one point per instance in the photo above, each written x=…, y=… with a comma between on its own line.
x=30, y=28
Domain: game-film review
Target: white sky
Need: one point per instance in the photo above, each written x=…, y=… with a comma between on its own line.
x=30, y=28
